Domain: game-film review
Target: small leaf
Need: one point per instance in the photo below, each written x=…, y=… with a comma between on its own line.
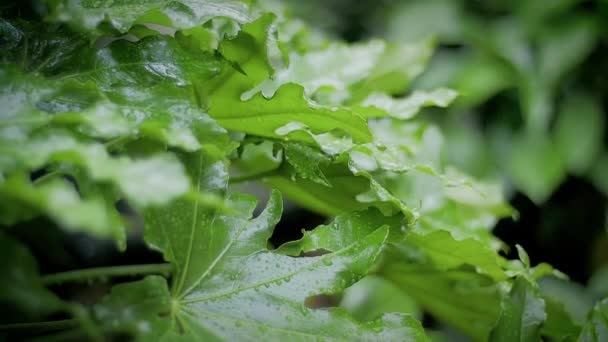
x=408, y=107
x=522, y=314
x=59, y=200
x=596, y=328
x=523, y=256
x=535, y=166
x=446, y=252
x=138, y=308
x=21, y=291
x=579, y=132
x=343, y=230
x=371, y=296
x=307, y=162
x=259, y=158
x=559, y=324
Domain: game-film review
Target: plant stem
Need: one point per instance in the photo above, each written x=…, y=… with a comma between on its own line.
x=40, y=326
x=104, y=272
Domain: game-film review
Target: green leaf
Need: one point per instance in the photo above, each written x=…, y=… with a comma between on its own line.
x=522, y=314
x=598, y=171
x=372, y=296
x=307, y=162
x=184, y=220
x=463, y=299
x=225, y=274
x=265, y=117
x=560, y=324
x=446, y=252
x=320, y=198
x=59, y=200
x=261, y=116
x=344, y=230
x=596, y=328
x=408, y=107
x=28, y=144
x=258, y=158
x=21, y=291
x=122, y=15
x=339, y=69
x=409, y=21
x=579, y=132
x=396, y=68
x=145, y=181
x=122, y=90
x=403, y=158
x=575, y=298
x=479, y=79
x=565, y=44
x=137, y=308
x=535, y=166
x=598, y=284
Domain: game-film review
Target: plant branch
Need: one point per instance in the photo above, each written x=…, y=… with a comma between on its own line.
x=105, y=272
x=40, y=326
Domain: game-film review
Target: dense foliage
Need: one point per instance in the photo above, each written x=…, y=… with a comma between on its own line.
x=118, y=115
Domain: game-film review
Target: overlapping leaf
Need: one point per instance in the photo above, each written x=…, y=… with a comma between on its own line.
x=596, y=328
x=522, y=314
x=348, y=70
x=123, y=91
x=251, y=51
x=22, y=287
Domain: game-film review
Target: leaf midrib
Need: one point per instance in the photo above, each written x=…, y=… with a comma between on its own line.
x=192, y=227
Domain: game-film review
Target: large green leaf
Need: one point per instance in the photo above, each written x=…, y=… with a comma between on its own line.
x=226, y=277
